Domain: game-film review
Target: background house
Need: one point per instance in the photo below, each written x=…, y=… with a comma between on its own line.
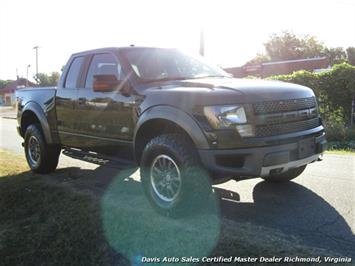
x=7, y=94
x=267, y=69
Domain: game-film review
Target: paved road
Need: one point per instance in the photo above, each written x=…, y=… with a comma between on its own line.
x=10, y=140
x=318, y=207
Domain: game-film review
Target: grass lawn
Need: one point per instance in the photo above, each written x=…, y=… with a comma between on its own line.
x=71, y=217
x=341, y=152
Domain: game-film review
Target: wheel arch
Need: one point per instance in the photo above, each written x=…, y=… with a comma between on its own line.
x=166, y=119
x=33, y=113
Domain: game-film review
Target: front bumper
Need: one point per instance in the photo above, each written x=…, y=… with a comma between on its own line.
x=261, y=161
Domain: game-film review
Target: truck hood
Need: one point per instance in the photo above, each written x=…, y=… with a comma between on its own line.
x=210, y=91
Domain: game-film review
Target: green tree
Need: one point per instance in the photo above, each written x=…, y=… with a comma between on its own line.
x=258, y=59
x=3, y=83
x=45, y=80
x=350, y=52
x=335, y=55
x=288, y=46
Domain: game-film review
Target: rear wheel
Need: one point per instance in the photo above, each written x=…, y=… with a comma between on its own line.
x=286, y=176
x=172, y=177
x=41, y=157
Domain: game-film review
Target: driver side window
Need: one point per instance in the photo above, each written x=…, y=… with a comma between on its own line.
x=103, y=64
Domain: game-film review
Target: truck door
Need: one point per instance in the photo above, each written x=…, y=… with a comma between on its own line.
x=66, y=97
x=104, y=117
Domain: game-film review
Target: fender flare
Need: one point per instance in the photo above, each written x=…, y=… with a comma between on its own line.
x=38, y=111
x=178, y=117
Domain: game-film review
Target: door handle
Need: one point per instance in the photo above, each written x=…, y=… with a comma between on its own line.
x=81, y=101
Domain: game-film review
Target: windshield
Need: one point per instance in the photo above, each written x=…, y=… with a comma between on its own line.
x=152, y=64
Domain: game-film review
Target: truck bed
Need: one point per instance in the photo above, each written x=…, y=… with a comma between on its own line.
x=41, y=99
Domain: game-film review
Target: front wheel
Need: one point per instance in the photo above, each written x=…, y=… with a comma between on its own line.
x=286, y=176
x=41, y=157
x=172, y=176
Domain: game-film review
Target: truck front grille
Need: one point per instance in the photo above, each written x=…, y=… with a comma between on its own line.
x=285, y=116
x=284, y=105
x=284, y=128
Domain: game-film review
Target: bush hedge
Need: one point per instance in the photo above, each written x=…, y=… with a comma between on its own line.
x=335, y=90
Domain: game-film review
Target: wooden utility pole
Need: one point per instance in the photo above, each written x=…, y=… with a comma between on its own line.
x=36, y=48
x=202, y=42
x=28, y=66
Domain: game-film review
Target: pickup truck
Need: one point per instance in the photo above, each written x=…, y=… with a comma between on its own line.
x=185, y=123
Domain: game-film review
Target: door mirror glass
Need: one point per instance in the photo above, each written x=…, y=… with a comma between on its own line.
x=104, y=83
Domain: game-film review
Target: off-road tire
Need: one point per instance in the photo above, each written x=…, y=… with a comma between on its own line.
x=195, y=181
x=48, y=154
x=287, y=176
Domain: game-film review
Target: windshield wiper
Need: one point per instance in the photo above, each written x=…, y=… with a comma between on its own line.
x=183, y=78
x=209, y=76
x=166, y=79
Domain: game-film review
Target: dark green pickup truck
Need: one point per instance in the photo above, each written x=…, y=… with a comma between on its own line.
x=187, y=124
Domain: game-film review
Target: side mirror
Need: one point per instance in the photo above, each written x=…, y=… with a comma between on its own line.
x=105, y=83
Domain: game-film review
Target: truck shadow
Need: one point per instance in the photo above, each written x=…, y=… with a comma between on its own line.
x=293, y=209
x=289, y=208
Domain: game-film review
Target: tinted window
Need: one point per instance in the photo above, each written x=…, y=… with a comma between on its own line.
x=74, y=72
x=103, y=64
x=151, y=64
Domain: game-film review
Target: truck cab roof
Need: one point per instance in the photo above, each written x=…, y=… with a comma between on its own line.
x=116, y=49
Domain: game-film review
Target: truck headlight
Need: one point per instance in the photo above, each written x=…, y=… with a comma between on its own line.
x=223, y=117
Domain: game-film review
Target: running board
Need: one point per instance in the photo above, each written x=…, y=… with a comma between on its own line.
x=99, y=159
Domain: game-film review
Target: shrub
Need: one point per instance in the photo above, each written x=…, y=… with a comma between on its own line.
x=339, y=87
x=301, y=77
x=340, y=133
x=334, y=89
x=342, y=145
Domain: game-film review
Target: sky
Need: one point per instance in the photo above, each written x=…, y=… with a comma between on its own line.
x=234, y=30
